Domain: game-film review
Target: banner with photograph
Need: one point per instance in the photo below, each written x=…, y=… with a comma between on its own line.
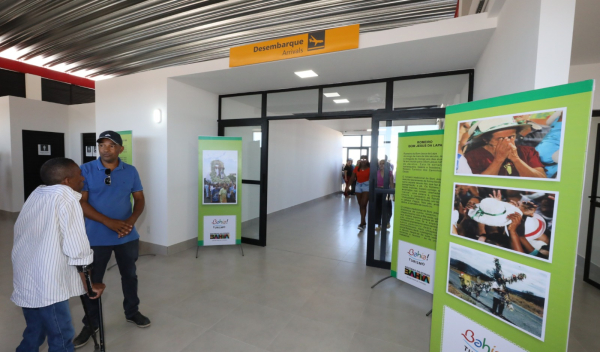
x=127, y=155
x=511, y=194
x=416, y=207
x=219, y=208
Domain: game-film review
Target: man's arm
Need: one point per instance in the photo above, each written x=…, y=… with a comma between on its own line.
x=122, y=228
x=139, y=202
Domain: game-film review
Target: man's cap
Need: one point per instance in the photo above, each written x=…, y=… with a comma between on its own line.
x=112, y=135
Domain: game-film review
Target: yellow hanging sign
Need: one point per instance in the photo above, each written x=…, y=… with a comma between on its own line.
x=312, y=43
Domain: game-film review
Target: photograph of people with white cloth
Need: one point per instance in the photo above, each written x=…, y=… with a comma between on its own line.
x=517, y=220
x=526, y=145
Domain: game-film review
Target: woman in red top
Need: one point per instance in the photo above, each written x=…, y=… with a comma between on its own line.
x=361, y=174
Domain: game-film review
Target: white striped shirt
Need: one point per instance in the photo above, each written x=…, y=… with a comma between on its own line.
x=50, y=239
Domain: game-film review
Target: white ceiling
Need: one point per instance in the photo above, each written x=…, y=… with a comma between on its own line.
x=461, y=51
x=586, y=33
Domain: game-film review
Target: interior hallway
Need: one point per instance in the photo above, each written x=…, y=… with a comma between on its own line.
x=308, y=290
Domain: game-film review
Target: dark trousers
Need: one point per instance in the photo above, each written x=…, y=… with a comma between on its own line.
x=498, y=306
x=53, y=321
x=383, y=209
x=126, y=255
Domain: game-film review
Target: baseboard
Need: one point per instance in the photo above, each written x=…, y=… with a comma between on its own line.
x=8, y=215
x=288, y=209
x=147, y=247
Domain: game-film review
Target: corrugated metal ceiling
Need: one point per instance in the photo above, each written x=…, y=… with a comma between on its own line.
x=114, y=38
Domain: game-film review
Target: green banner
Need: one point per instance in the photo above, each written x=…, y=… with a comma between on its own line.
x=127, y=154
x=219, y=202
x=511, y=193
x=416, y=207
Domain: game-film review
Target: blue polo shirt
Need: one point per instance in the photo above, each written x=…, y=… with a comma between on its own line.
x=112, y=200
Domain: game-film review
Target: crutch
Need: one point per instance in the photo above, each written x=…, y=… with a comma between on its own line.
x=88, y=281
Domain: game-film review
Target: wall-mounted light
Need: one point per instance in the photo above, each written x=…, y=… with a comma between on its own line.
x=157, y=116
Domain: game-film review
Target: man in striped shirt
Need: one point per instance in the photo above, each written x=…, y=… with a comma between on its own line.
x=50, y=241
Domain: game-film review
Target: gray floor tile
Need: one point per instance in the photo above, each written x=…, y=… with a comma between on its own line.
x=306, y=335
x=254, y=324
x=332, y=310
x=214, y=342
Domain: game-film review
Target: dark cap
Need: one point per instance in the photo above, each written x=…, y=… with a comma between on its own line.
x=112, y=135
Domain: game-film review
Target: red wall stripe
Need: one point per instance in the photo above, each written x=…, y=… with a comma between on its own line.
x=46, y=73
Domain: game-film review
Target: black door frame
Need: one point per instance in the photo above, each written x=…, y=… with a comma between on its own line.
x=378, y=116
x=263, y=121
x=594, y=203
x=264, y=173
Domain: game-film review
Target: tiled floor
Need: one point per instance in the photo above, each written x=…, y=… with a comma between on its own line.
x=309, y=290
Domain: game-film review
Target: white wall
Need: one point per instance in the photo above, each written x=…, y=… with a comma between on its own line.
x=33, y=87
x=304, y=162
x=193, y=112
x=127, y=103
x=81, y=119
x=18, y=114
x=27, y=114
x=507, y=65
x=585, y=72
x=529, y=49
x=6, y=186
x=581, y=73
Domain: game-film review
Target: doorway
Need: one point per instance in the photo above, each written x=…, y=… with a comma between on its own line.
x=88, y=147
x=39, y=147
x=385, y=129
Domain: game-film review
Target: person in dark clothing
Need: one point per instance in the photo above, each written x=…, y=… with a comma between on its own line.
x=348, y=169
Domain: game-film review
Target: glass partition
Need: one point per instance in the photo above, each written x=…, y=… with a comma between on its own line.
x=293, y=103
x=431, y=92
x=250, y=192
x=358, y=97
x=241, y=107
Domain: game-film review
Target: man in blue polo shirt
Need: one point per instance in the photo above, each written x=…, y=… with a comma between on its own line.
x=108, y=188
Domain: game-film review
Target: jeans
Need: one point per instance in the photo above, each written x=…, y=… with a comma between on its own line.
x=126, y=255
x=53, y=321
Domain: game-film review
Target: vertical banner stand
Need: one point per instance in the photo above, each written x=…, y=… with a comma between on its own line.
x=219, y=199
x=418, y=175
x=508, y=221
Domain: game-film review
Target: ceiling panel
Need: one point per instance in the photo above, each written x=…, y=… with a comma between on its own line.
x=106, y=38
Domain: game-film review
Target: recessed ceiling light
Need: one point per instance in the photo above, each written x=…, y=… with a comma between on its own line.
x=306, y=74
x=369, y=130
x=331, y=95
x=341, y=101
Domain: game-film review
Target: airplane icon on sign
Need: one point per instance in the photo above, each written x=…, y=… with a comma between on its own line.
x=315, y=41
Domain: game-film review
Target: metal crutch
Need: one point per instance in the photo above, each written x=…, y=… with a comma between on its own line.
x=88, y=281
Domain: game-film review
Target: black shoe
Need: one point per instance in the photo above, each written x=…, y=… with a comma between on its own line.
x=140, y=320
x=84, y=336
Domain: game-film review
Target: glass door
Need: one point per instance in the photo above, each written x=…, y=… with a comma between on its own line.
x=380, y=224
x=253, y=178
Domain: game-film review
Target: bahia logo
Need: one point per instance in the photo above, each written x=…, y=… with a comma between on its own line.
x=476, y=345
x=220, y=222
x=417, y=255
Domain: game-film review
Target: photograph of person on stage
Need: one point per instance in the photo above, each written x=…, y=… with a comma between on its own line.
x=361, y=175
x=511, y=292
x=516, y=220
x=525, y=145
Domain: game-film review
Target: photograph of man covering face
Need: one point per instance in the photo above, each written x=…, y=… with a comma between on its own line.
x=526, y=145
